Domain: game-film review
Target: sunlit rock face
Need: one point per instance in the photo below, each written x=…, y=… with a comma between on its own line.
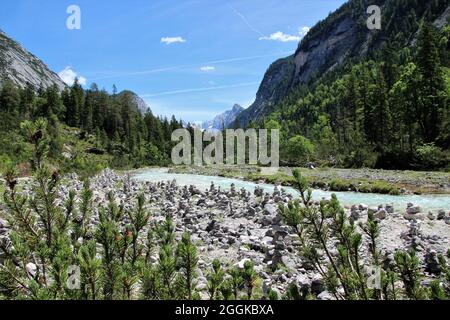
x=22, y=68
x=224, y=120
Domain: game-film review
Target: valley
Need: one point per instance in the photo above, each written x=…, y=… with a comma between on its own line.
x=88, y=177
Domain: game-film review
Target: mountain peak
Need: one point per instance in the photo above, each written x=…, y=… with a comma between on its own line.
x=22, y=68
x=140, y=104
x=237, y=107
x=223, y=120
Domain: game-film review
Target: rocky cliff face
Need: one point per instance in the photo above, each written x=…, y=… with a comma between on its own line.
x=140, y=104
x=276, y=84
x=327, y=45
x=21, y=67
x=223, y=120
x=343, y=35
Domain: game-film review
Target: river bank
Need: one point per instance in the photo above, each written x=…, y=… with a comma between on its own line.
x=236, y=225
x=392, y=182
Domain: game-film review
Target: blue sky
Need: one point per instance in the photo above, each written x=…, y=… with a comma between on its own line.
x=191, y=58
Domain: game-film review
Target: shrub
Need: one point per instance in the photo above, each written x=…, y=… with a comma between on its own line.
x=299, y=150
x=326, y=226
x=340, y=185
x=383, y=187
x=5, y=163
x=429, y=156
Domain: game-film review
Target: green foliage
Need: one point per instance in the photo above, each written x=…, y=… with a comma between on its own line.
x=49, y=243
x=343, y=271
x=88, y=129
x=375, y=110
x=215, y=279
x=187, y=264
x=299, y=150
x=408, y=265
x=430, y=156
x=340, y=185
x=249, y=278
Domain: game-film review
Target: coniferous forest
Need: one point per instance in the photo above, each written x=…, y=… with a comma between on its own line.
x=390, y=111
x=85, y=122
x=78, y=221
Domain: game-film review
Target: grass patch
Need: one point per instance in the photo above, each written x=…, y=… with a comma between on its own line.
x=339, y=185
x=278, y=178
x=383, y=187
x=380, y=187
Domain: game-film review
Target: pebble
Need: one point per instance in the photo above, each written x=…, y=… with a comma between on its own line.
x=238, y=226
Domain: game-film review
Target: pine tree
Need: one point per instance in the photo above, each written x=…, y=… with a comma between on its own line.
x=187, y=264
x=432, y=96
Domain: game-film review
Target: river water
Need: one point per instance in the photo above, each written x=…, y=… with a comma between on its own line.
x=427, y=202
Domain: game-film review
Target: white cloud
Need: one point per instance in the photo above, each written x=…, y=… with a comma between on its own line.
x=170, y=40
x=283, y=37
x=280, y=36
x=68, y=76
x=207, y=69
x=303, y=31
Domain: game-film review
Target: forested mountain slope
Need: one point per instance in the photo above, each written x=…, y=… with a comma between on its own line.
x=355, y=97
x=340, y=38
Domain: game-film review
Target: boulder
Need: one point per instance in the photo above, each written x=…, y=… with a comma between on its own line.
x=270, y=209
x=432, y=262
x=4, y=223
x=289, y=263
x=362, y=207
x=415, y=216
x=302, y=281
x=389, y=208
x=355, y=214
x=447, y=218
x=317, y=284
x=431, y=215
x=413, y=209
x=31, y=269
x=381, y=214
x=325, y=295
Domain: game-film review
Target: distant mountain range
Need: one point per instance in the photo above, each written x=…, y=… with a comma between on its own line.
x=21, y=67
x=224, y=120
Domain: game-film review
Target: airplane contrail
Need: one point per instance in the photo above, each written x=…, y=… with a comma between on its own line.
x=158, y=70
x=244, y=19
x=166, y=93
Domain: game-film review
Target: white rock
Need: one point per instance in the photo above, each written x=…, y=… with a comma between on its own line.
x=4, y=223
x=302, y=280
x=241, y=264
x=325, y=295
x=31, y=269
x=288, y=263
